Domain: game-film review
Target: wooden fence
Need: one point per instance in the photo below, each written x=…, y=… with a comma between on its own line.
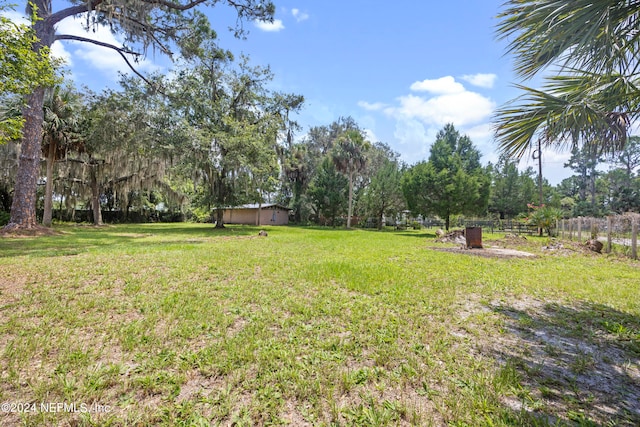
x=619, y=233
x=490, y=225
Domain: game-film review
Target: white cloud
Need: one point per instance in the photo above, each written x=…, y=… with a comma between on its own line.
x=443, y=85
x=274, y=26
x=434, y=103
x=482, y=137
x=409, y=131
x=480, y=80
x=481, y=134
x=376, y=106
x=16, y=17
x=58, y=51
x=461, y=109
x=414, y=139
x=370, y=136
x=300, y=16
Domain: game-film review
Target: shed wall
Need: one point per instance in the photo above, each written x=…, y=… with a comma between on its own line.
x=268, y=216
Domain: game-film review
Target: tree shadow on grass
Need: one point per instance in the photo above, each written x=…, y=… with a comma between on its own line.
x=74, y=240
x=578, y=365
x=65, y=244
x=421, y=235
x=189, y=229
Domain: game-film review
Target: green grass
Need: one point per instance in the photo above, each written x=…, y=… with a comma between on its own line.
x=181, y=324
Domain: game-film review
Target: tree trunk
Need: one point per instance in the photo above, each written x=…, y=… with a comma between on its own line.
x=258, y=215
x=446, y=223
x=297, y=202
x=47, y=216
x=60, y=213
x=219, y=218
x=297, y=216
x=221, y=194
x=95, y=200
x=350, y=198
x=23, y=207
x=592, y=190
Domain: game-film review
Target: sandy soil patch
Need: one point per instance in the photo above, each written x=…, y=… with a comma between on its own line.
x=488, y=252
x=575, y=364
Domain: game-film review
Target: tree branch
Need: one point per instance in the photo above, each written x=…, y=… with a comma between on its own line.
x=54, y=18
x=175, y=6
x=149, y=29
x=121, y=179
x=120, y=50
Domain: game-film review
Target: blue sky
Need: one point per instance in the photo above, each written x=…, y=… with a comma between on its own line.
x=401, y=69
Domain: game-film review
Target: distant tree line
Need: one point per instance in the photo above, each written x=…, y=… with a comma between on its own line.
x=217, y=137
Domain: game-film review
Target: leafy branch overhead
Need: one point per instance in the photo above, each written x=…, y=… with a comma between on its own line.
x=594, y=97
x=21, y=68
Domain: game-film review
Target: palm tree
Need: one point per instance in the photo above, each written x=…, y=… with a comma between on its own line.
x=9, y=154
x=595, y=97
x=348, y=155
x=297, y=170
x=60, y=135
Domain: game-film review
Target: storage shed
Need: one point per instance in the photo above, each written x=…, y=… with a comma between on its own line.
x=253, y=214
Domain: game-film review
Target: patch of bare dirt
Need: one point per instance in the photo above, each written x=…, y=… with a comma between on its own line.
x=579, y=362
x=197, y=385
x=291, y=415
x=502, y=248
x=133, y=235
x=510, y=239
x=489, y=252
x=237, y=326
x=12, y=284
x=36, y=231
x=453, y=236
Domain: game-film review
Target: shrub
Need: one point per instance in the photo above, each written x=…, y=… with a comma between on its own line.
x=4, y=218
x=544, y=217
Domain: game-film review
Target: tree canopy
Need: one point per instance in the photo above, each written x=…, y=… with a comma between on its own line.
x=349, y=157
x=159, y=25
x=383, y=198
x=451, y=182
x=511, y=189
x=328, y=191
x=21, y=69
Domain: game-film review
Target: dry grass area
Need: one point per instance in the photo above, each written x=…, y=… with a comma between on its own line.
x=185, y=325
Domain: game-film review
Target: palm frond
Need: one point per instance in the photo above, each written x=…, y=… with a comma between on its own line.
x=570, y=110
x=601, y=36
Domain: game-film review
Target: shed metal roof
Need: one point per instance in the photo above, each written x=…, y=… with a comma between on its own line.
x=262, y=206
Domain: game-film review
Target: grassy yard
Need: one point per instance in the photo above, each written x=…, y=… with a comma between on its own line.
x=181, y=324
